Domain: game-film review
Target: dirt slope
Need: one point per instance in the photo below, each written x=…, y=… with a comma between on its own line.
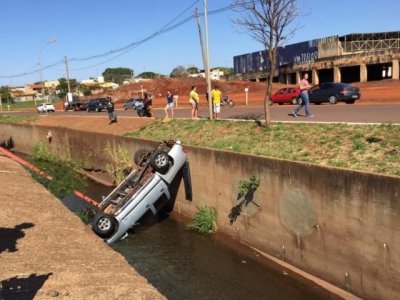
x=46, y=251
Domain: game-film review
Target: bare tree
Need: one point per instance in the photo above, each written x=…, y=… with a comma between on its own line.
x=268, y=22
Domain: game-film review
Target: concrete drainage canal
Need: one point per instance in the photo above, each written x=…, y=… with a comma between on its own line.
x=183, y=264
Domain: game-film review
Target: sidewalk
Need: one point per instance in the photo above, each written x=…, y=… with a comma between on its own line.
x=46, y=251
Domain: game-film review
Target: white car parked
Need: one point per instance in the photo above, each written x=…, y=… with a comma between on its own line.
x=144, y=191
x=45, y=107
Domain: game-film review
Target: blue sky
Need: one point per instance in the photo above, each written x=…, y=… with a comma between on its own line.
x=85, y=28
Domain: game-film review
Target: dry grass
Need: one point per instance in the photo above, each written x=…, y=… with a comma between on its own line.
x=369, y=148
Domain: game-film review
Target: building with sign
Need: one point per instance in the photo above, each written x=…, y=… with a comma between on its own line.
x=349, y=58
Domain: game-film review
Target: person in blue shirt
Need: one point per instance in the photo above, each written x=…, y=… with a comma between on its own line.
x=170, y=105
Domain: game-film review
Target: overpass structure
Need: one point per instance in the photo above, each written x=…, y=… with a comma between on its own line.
x=357, y=57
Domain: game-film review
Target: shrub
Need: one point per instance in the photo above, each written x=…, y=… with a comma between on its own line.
x=205, y=220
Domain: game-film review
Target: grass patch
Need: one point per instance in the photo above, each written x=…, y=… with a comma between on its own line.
x=373, y=148
x=66, y=179
x=25, y=104
x=119, y=164
x=204, y=221
x=17, y=119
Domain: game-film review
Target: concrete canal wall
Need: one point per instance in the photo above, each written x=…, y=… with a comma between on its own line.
x=340, y=225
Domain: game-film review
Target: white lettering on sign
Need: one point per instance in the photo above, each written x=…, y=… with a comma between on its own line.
x=305, y=57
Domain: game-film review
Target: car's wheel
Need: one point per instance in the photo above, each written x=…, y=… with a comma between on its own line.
x=294, y=101
x=159, y=161
x=104, y=225
x=350, y=101
x=87, y=109
x=333, y=99
x=138, y=157
x=97, y=109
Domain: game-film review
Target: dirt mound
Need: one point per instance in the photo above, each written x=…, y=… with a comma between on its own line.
x=178, y=86
x=372, y=92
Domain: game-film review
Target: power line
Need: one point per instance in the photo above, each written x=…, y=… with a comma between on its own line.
x=121, y=51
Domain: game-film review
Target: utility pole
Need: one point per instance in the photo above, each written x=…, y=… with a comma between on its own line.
x=208, y=61
x=67, y=73
x=69, y=94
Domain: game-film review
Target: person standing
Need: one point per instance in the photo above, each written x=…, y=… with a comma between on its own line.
x=170, y=105
x=216, y=95
x=111, y=113
x=305, y=100
x=194, y=101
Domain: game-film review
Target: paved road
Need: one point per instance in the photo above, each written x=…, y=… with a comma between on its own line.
x=356, y=113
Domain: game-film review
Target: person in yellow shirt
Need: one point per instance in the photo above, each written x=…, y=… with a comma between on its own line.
x=216, y=95
x=194, y=100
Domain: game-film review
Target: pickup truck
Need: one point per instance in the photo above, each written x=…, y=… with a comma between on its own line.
x=144, y=191
x=45, y=107
x=75, y=105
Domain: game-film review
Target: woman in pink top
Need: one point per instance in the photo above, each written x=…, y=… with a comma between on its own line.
x=305, y=101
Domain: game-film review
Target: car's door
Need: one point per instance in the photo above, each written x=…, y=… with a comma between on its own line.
x=315, y=94
x=279, y=97
x=327, y=90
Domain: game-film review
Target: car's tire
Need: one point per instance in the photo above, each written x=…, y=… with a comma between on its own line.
x=280, y=103
x=294, y=101
x=159, y=161
x=87, y=109
x=350, y=101
x=332, y=99
x=104, y=225
x=138, y=157
x=97, y=109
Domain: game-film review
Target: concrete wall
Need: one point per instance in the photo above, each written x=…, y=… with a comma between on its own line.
x=343, y=226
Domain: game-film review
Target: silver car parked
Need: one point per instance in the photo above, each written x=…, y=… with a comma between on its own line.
x=145, y=190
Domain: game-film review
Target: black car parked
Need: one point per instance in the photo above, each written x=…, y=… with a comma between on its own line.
x=333, y=92
x=97, y=104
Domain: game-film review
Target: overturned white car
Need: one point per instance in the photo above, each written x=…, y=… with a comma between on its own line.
x=145, y=190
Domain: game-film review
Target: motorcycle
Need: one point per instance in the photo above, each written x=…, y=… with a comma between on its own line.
x=227, y=101
x=142, y=109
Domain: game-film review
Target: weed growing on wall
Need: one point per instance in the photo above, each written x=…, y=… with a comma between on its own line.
x=120, y=163
x=247, y=188
x=205, y=220
x=64, y=172
x=86, y=215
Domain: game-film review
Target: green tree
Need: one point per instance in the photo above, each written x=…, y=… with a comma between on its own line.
x=86, y=90
x=192, y=70
x=179, y=71
x=63, y=87
x=5, y=94
x=117, y=75
x=227, y=71
x=149, y=75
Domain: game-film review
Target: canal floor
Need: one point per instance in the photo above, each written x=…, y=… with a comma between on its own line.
x=183, y=264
